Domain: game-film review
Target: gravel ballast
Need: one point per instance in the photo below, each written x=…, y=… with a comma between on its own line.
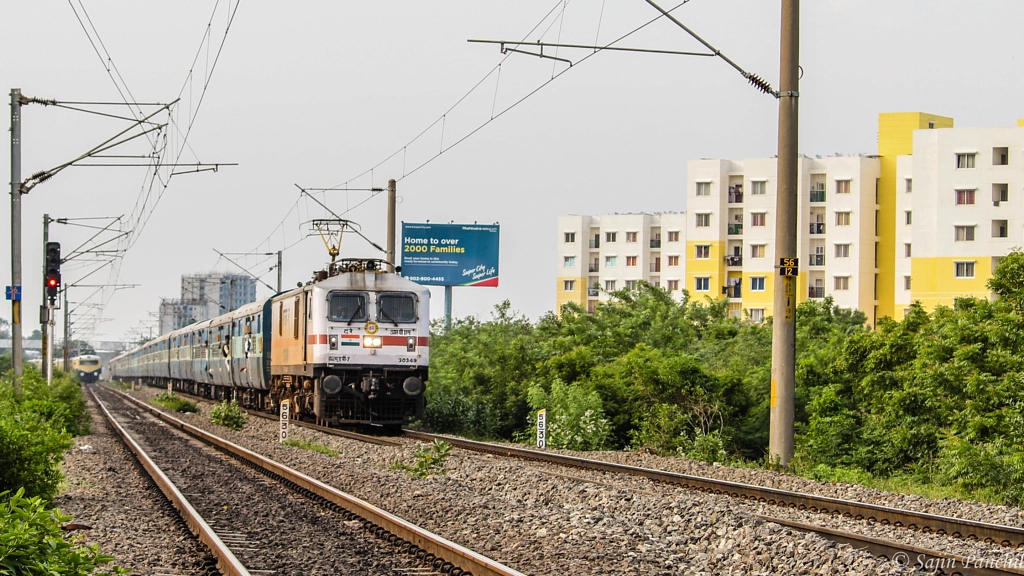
x=535, y=519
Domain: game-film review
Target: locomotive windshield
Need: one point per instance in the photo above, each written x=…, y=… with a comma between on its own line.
x=396, y=308
x=346, y=307
x=89, y=362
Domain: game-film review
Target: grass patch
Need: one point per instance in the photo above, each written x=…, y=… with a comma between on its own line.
x=309, y=445
x=913, y=484
x=176, y=403
x=430, y=459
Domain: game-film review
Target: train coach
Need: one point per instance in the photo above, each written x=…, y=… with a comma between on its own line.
x=349, y=347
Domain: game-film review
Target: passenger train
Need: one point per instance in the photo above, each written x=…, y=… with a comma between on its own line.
x=349, y=347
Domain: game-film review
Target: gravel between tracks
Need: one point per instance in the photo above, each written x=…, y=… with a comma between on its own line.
x=130, y=519
x=269, y=528
x=538, y=522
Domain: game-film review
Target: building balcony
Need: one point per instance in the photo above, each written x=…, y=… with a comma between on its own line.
x=735, y=229
x=818, y=228
x=593, y=267
x=816, y=292
x=655, y=266
x=735, y=197
x=593, y=292
x=817, y=260
x=656, y=243
x=817, y=195
x=595, y=244
x=735, y=291
x=734, y=260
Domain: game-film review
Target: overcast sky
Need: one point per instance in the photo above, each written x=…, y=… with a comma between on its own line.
x=317, y=93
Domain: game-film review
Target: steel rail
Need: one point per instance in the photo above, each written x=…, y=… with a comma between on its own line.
x=925, y=522
x=227, y=562
x=905, y=555
x=446, y=553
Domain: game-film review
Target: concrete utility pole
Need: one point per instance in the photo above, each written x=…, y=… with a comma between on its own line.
x=391, y=224
x=16, y=350
x=780, y=442
x=67, y=328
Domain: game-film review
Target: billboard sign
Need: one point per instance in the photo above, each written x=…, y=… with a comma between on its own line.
x=450, y=254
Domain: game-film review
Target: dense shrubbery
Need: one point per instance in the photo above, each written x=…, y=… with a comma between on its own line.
x=32, y=542
x=936, y=398
x=36, y=428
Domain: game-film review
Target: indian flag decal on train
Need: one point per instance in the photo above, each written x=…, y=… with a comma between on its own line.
x=349, y=340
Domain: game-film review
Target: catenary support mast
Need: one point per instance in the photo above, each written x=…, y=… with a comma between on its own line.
x=783, y=383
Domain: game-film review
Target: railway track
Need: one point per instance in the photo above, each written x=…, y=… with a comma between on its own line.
x=240, y=541
x=902, y=553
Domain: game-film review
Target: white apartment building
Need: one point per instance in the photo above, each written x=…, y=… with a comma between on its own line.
x=601, y=254
x=959, y=210
x=731, y=240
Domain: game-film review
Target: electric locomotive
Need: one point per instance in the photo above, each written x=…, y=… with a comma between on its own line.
x=349, y=347
x=87, y=367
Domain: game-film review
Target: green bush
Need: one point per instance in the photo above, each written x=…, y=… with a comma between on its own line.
x=575, y=418
x=172, y=401
x=33, y=544
x=229, y=415
x=663, y=430
x=31, y=450
x=707, y=447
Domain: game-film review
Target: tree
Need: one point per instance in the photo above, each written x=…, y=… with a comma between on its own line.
x=5, y=328
x=1008, y=280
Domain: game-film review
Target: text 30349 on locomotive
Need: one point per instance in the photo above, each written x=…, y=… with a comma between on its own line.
x=350, y=347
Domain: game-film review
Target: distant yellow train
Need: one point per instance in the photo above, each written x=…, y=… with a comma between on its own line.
x=87, y=366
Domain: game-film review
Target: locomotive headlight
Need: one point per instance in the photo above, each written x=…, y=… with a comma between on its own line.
x=372, y=342
x=334, y=342
x=410, y=344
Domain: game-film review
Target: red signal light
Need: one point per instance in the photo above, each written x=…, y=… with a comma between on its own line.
x=51, y=281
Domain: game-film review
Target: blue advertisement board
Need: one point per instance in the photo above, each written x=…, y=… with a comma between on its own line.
x=450, y=254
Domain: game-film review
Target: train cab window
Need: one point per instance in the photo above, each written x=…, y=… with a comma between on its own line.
x=346, y=307
x=396, y=308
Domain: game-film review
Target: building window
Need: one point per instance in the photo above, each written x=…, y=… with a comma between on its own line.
x=965, y=269
x=908, y=217
x=673, y=284
x=906, y=250
x=841, y=282
x=1000, y=156
x=609, y=285
x=1000, y=193
x=757, y=219
x=703, y=188
x=673, y=260
x=702, y=284
x=630, y=260
x=964, y=233
x=703, y=252
x=570, y=237
x=842, y=186
x=568, y=285
x=756, y=314
x=757, y=251
x=630, y=284
x=965, y=160
x=630, y=236
x=906, y=282
x=757, y=284
x=673, y=236
x=610, y=236
x=703, y=220
x=842, y=250
x=758, y=187
x=569, y=261
x=964, y=197
x=842, y=218
x=1000, y=229
x=910, y=186
x=609, y=261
